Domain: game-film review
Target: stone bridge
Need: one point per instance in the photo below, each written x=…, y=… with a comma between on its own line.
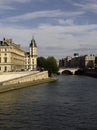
x=72, y=70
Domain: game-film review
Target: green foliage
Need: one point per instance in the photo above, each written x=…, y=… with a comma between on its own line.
x=52, y=65
x=41, y=63
x=49, y=64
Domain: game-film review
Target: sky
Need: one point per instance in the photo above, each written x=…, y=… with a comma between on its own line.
x=60, y=27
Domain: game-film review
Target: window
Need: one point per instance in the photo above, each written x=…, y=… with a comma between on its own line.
x=33, y=61
x=5, y=60
x=5, y=68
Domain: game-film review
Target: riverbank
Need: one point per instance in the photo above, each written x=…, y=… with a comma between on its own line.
x=92, y=73
x=7, y=88
x=13, y=81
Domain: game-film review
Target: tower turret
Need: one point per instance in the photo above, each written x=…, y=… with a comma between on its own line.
x=33, y=54
x=33, y=48
x=33, y=43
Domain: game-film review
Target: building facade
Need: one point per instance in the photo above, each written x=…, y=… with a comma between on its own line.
x=83, y=61
x=31, y=56
x=12, y=57
x=90, y=61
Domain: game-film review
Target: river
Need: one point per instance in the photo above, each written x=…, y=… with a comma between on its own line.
x=67, y=104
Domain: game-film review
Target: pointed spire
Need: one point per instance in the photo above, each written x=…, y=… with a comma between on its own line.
x=33, y=37
x=33, y=43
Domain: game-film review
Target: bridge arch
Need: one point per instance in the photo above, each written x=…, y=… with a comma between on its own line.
x=68, y=72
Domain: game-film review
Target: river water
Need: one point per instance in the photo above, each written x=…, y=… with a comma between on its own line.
x=67, y=104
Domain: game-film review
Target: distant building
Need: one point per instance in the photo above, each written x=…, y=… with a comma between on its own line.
x=85, y=61
x=65, y=62
x=12, y=57
x=31, y=56
x=90, y=61
x=96, y=62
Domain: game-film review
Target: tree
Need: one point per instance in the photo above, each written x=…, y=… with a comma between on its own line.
x=41, y=63
x=49, y=64
x=52, y=66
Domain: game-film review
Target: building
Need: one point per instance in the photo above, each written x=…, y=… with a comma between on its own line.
x=31, y=56
x=12, y=57
x=90, y=61
x=65, y=62
x=84, y=61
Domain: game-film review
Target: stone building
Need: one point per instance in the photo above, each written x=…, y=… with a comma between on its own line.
x=12, y=57
x=83, y=61
x=90, y=61
x=31, y=56
x=65, y=62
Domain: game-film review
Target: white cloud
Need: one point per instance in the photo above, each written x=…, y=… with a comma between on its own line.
x=69, y=29
x=66, y=22
x=52, y=40
x=6, y=4
x=11, y=1
x=46, y=13
x=62, y=38
x=88, y=5
x=6, y=7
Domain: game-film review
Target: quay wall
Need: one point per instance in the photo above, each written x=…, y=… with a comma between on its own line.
x=27, y=78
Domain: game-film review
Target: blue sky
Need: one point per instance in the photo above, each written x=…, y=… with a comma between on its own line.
x=60, y=27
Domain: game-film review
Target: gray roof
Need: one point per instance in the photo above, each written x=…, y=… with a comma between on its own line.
x=33, y=43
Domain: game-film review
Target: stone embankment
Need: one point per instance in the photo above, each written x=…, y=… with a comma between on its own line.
x=17, y=80
x=92, y=74
x=87, y=72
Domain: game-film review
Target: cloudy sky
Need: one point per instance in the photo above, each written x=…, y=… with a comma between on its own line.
x=60, y=27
